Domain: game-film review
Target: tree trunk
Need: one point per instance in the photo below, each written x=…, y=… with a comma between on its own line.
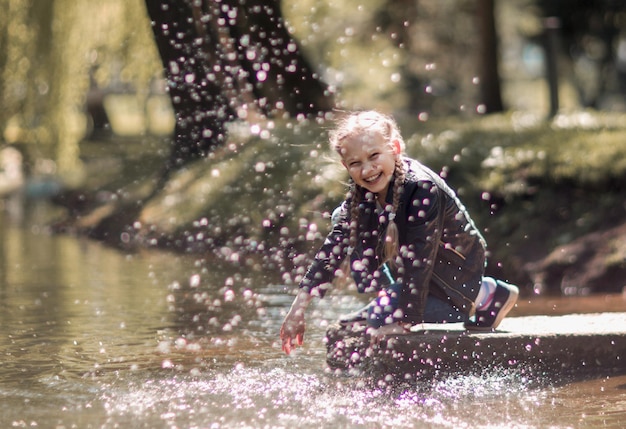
x=225, y=59
x=191, y=64
x=490, y=94
x=282, y=79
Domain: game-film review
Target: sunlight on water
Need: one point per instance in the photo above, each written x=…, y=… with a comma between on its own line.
x=90, y=337
x=256, y=397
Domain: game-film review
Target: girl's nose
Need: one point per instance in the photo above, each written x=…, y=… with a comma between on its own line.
x=367, y=167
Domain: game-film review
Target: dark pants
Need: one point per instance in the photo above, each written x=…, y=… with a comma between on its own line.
x=385, y=309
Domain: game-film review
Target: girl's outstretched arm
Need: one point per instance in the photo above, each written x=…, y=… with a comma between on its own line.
x=292, y=331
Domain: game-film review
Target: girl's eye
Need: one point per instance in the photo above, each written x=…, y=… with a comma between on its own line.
x=374, y=155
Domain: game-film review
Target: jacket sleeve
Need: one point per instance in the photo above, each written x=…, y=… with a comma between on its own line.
x=420, y=234
x=329, y=257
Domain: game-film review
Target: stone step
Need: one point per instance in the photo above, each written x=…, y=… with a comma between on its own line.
x=575, y=344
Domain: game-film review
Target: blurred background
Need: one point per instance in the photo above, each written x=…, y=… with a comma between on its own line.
x=520, y=104
x=165, y=179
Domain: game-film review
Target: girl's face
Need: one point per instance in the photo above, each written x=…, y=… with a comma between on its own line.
x=370, y=160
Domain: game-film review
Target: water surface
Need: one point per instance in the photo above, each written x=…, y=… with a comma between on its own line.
x=93, y=337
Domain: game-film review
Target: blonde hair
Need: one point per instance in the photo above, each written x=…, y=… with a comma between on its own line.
x=368, y=121
x=372, y=122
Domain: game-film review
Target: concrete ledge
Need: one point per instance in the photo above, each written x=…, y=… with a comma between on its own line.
x=575, y=344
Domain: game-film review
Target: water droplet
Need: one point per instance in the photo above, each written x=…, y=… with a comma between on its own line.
x=164, y=347
x=255, y=129
x=174, y=68
x=194, y=280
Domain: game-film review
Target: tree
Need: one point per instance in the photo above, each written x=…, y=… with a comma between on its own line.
x=589, y=35
x=441, y=42
x=227, y=60
x=490, y=95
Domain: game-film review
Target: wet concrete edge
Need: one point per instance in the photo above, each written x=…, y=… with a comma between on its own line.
x=553, y=345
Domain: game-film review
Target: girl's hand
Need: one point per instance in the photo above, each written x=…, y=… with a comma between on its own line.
x=292, y=330
x=293, y=325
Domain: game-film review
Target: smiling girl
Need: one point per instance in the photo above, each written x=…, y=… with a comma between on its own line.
x=408, y=239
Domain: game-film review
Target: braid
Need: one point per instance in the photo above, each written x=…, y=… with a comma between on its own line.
x=354, y=195
x=392, y=239
x=354, y=215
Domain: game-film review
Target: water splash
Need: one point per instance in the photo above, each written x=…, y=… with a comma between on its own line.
x=285, y=397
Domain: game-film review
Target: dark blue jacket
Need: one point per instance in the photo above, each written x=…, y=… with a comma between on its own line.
x=441, y=250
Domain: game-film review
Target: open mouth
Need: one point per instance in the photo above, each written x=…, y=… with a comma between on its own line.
x=373, y=178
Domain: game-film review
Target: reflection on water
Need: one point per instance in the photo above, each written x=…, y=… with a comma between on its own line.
x=91, y=337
